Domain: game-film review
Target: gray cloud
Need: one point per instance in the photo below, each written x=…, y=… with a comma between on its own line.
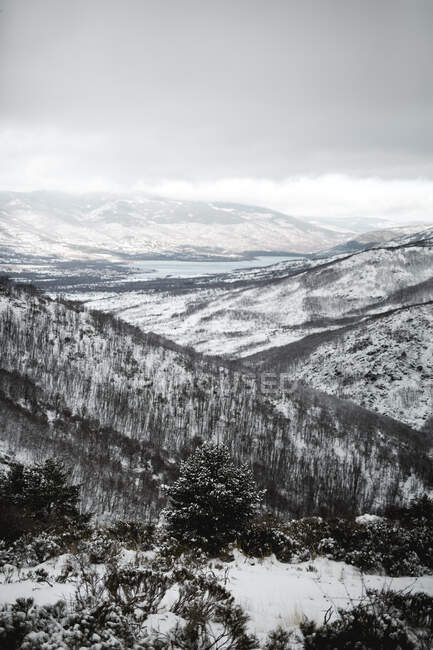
x=143, y=90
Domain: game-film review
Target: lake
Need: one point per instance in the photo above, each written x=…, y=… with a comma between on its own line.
x=152, y=269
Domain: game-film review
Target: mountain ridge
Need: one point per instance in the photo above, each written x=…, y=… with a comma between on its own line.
x=71, y=226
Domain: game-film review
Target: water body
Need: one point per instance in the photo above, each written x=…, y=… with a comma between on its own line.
x=155, y=269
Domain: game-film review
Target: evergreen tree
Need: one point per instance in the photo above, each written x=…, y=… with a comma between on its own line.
x=38, y=497
x=213, y=500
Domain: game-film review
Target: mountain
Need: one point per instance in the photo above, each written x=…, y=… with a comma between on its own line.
x=97, y=226
x=384, y=363
x=357, y=326
x=425, y=235
x=279, y=305
x=121, y=407
x=362, y=224
x=390, y=236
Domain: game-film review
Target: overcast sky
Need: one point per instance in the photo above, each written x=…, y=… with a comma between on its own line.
x=304, y=106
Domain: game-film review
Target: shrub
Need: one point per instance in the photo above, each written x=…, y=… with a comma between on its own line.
x=381, y=546
x=100, y=547
x=27, y=551
x=383, y=620
x=280, y=639
x=266, y=536
x=133, y=534
x=212, y=617
x=403, y=546
x=137, y=589
x=103, y=627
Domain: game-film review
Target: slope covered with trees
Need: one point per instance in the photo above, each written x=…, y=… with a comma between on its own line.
x=89, y=387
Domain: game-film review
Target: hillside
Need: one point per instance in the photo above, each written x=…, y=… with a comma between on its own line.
x=239, y=319
x=307, y=317
x=83, y=385
x=383, y=363
x=89, y=227
x=391, y=236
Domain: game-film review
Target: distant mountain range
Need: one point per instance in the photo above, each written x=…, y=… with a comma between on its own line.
x=94, y=226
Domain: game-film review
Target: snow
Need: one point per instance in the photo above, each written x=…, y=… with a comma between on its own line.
x=276, y=594
x=367, y=519
x=42, y=593
x=272, y=593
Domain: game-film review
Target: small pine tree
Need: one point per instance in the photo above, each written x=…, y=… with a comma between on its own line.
x=37, y=498
x=213, y=500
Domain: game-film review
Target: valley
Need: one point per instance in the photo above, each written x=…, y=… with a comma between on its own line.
x=311, y=372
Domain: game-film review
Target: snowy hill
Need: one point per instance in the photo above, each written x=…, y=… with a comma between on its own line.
x=384, y=363
x=385, y=236
x=118, y=403
x=276, y=317
x=112, y=227
x=280, y=305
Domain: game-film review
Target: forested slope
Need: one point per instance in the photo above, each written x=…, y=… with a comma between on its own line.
x=108, y=397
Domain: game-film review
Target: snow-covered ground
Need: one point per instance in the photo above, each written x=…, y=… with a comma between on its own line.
x=278, y=594
x=272, y=593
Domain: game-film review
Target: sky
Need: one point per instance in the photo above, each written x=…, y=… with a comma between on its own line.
x=313, y=107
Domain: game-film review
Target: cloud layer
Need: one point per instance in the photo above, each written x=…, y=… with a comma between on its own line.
x=316, y=197
x=312, y=107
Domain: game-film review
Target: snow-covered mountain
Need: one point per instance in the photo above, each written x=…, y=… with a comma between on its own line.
x=358, y=326
x=121, y=406
x=385, y=236
x=292, y=301
x=385, y=364
x=112, y=227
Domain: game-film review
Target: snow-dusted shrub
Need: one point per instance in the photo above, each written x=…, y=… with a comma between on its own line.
x=281, y=639
x=25, y=626
x=15, y=622
x=38, y=575
x=100, y=547
x=225, y=630
x=27, y=551
x=213, y=500
x=396, y=548
x=136, y=590
x=212, y=617
x=382, y=546
x=133, y=534
x=383, y=620
x=265, y=536
x=41, y=548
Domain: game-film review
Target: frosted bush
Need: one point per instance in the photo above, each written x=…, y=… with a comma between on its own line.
x=101, y=547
